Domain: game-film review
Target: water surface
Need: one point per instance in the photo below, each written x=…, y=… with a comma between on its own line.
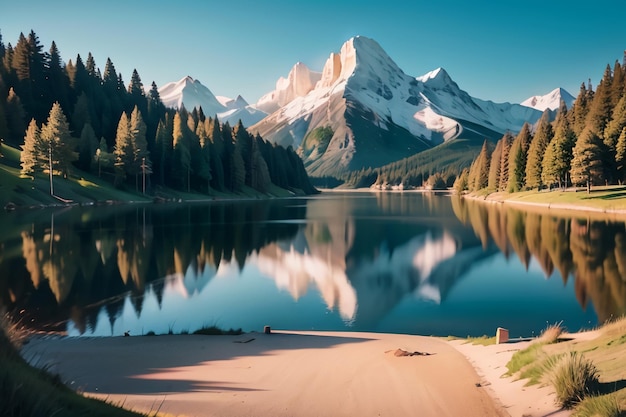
x=384, y=262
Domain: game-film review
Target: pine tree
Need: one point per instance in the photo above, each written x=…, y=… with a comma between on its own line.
x=15, y=115
x=181, y=170
x=31, y=149
x=617, y=123
x=558, y=160
x=87, y=147
x=260, y=175
x=494, y=167
x=164, y=147
x=124, y=151
x=507, y=141
x=205, y=153
x=580, y=109
x=620, y=156
x=587, y=159
x=57, y=82
x=517, y=159
x=141, y=157
x=482, y=169
x=617, y=86
x=536, y=150
x=243, y=141
x=217, y=168
x=600, y=108
x=460, y=184
x=136, y=93
x=56, y=138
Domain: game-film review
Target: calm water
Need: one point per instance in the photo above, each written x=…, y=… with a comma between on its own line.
x=391, y=262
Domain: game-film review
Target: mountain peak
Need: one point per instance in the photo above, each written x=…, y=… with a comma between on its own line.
x=550, y=100
x=299, y=82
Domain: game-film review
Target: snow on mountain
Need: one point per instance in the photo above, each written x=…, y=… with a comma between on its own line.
x=192, y=93
x=232, y=103
x=377, y=113
x=300, y=81
x=550, y=101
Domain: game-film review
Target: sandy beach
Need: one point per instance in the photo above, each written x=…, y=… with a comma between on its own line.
x=294, y=374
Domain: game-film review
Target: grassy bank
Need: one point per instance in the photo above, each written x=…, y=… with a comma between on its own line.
x=83, y=188
x=588, y=375
x=604, y=199
x=26, y=391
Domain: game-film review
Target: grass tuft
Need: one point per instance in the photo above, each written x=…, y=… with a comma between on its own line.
x=216, y=331
x=482, y=340
x=603, y=406
x=573, y=377
x=551, y=333
x=523, y=358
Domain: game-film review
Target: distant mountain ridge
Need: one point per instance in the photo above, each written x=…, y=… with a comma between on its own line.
x=192, y=93
x=373, y=113
x=363, y=111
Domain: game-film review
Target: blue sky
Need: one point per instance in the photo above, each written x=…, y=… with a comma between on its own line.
x=500, y=51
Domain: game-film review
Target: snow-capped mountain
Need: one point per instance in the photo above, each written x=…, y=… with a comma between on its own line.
x=364, y=111
x=300, y=81
x=192, y=93
x=550, y=101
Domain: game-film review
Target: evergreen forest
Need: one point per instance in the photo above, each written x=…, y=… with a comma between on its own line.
x=582, y=146
x=72, y=119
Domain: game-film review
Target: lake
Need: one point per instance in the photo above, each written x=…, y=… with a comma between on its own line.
x=356, y=261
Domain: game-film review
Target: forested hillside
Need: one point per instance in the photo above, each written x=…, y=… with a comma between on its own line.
x=73, y=118
x=585, y=145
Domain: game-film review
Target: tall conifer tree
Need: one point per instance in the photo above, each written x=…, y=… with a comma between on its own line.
x=507, y=141
x=31, y=149
x=587, y=159
x=536, y=151
x=57, y=140
x=517, y=159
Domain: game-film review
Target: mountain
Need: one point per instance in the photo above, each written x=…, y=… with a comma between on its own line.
x=364, y=111
x=192, y=93
x=550, y=101
x=300, y=81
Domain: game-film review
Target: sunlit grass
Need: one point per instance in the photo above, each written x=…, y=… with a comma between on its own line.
x=28, y=392
x=600, y=198
x=603, y=405
x=573, y=378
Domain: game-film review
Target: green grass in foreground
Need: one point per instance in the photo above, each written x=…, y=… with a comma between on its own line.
x=26, y=391
x=540, y=360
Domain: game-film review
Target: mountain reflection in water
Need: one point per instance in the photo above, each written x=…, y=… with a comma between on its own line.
x=394, y=262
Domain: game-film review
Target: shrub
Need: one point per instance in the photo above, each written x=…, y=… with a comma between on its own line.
x=573, y=378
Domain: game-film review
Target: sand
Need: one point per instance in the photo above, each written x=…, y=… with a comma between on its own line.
x=293, y=374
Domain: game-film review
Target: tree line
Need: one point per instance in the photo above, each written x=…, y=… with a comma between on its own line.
x=69, y=117
x=583, y=146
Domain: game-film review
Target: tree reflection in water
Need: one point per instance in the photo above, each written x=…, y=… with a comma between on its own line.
x=592, y=252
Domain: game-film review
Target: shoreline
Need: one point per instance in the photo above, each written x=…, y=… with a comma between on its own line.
x=299, y=373
x=555, y=207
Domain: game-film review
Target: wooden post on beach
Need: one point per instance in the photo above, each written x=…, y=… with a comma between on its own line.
x=502, y=335
x=267, y=329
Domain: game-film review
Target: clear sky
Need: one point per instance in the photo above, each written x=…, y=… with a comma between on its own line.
x=504, y=50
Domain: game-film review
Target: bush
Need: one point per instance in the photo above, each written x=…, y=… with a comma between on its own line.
x=573, y=378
